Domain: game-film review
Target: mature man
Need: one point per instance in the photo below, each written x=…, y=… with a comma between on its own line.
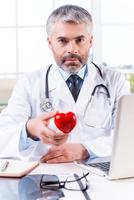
x=72, y=83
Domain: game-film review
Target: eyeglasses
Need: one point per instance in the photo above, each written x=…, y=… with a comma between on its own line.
x=71, y=183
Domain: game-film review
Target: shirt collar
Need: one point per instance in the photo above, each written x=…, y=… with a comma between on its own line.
x=81, y=73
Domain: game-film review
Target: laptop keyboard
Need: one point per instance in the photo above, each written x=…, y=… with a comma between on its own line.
x=104, y=166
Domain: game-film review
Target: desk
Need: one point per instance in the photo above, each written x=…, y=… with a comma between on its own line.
x=100, y=188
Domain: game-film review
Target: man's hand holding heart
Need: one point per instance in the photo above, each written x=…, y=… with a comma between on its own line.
x=67, y=152
x=39, y=127
x=60, y=150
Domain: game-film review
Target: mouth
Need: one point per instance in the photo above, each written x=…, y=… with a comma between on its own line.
x=72, y=58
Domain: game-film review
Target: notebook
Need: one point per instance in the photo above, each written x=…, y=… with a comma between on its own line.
x=121, y=163
x=16, y=168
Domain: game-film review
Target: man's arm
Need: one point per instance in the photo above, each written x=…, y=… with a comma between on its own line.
x=13, y=119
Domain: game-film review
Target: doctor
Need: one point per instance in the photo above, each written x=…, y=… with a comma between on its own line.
x=25, y=125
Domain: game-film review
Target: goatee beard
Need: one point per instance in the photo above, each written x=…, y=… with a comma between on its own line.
x=72, y=69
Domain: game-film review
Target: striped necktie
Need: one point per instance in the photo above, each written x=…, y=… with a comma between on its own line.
x=74, y=83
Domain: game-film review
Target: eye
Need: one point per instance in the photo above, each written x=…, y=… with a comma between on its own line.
x=62, y=41
x=79, y=40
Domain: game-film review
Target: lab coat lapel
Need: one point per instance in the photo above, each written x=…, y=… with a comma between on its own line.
x=56, y=82
x=92, y=79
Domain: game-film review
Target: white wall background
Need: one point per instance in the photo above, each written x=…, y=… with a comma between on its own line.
x=23, y=45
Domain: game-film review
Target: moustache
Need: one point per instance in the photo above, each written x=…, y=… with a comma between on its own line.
x=71, y=56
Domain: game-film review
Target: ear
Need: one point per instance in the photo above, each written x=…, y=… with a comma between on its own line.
x=91, y=40
x=49, y=42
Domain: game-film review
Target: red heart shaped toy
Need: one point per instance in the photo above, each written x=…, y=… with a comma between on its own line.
x=65, y=121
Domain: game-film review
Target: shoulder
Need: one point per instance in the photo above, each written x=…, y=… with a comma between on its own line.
x=116, y=80
x=30, y=81
x=32, y=77
x=112, y=75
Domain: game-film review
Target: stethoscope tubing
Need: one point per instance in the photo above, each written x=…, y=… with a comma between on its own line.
x=46, y=83
x=92, y=94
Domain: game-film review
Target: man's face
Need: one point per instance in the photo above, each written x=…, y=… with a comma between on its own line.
x=70, y=44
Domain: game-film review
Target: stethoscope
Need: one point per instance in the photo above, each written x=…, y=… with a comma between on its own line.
x=46, y=104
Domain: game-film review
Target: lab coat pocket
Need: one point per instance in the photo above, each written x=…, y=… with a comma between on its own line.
x=98, y=118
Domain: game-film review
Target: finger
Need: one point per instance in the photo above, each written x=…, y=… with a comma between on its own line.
x=48, y=132
x=56, y=137
x=60, y=159
x=49, y=115
x=60, y=135
x=59, y=142
x=48, y=140
x=51, y=155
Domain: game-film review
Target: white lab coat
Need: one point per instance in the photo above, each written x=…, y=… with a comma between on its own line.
x=95, y=118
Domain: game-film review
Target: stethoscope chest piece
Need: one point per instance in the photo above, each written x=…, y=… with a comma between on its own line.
x=46, y=105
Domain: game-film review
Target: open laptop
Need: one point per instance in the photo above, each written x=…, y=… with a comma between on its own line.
x=121, y=163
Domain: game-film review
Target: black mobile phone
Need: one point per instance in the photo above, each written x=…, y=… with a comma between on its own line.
x=48, y=179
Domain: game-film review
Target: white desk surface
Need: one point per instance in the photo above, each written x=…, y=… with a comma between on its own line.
x=99, y=187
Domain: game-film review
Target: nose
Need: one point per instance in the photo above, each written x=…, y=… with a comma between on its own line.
x=72, y=48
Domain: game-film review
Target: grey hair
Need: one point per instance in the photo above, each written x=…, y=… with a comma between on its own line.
x=69, y=14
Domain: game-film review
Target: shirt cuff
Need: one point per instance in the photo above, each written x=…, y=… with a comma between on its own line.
x=91, y=154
